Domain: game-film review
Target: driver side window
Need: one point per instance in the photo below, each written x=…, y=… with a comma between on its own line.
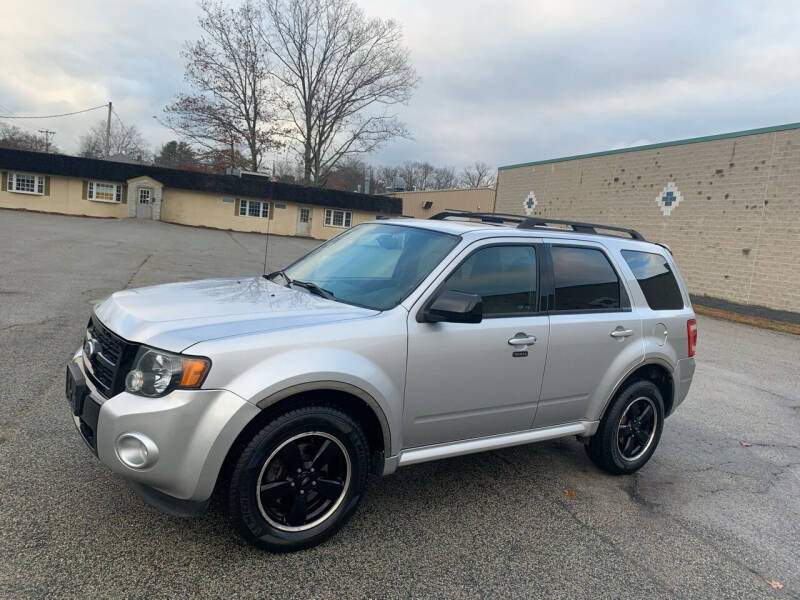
x=504, y=276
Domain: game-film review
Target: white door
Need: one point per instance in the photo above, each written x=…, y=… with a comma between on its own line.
x=303, y=222
x=144, y=205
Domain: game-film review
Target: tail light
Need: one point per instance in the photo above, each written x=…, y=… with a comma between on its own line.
x=691, y=335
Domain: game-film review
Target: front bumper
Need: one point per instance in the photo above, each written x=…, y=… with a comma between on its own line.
x=192, y=429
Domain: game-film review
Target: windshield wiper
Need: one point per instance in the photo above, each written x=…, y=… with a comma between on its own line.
x=313, y=288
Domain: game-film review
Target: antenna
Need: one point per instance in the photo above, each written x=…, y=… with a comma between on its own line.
x=266, y=244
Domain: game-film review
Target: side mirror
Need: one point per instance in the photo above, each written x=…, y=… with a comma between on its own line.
x=454, y=307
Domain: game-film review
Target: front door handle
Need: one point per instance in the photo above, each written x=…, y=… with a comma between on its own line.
x=621, y=333
x=522, y=339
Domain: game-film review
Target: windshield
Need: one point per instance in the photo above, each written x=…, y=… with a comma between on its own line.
x=372, y=265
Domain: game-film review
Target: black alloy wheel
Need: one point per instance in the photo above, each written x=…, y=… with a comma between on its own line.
x=303, y=481
x=637, y=428
x=298, y=479
x=630, y=430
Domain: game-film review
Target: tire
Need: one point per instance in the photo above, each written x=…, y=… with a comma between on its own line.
x=312, y=465
x=627, y=435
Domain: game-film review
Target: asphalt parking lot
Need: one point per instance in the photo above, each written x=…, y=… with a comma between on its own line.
x=715, y=514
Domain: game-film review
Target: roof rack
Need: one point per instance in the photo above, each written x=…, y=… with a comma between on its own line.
x=578, y=227
x=497, y=218
x=536, y=222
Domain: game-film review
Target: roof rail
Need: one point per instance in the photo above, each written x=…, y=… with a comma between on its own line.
x=535, y=222
x=578, y=227
x=498, y=218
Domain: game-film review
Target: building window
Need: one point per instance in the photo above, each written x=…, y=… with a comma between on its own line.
x=254, y=208
x=305, y=215
x=100, y=191
x=25, y=183
x=338, y=218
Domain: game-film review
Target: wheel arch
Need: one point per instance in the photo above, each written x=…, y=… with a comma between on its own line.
x=346, y=397
x=656, y=370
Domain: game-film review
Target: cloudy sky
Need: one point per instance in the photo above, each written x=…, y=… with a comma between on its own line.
x=503, y=82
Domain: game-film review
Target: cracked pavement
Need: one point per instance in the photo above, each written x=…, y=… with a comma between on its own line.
x=708, y=517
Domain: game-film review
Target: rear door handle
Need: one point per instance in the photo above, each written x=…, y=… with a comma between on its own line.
x=621, y=333
x=522, y=340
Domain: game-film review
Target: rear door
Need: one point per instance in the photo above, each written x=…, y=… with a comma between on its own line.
x=594, y=334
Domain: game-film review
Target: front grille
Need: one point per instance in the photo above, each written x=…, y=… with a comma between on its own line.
x=111, y=345
x=111, y=362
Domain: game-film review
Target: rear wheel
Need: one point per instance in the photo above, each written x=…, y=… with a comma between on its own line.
x=299, y=479
x=630, y=430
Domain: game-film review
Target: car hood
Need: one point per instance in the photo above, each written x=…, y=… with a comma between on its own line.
x=175, y=316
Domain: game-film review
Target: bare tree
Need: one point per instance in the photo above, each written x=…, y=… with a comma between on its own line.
x=478, y=175
x=230, y=105
x=444, y=178
x=126, y=140
x=349, y=175
x=15, y=138
x=340, y=73
x=386, y=176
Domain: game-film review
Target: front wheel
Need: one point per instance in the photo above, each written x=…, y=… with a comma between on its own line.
x=630, y=430
x=299, y=479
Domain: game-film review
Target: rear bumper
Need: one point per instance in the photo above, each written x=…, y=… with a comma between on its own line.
x=191, y=432
x=684, y=372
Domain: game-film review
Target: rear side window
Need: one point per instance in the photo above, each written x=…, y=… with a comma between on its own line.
x=584, y=280
x=656, y=279
x=504, y=277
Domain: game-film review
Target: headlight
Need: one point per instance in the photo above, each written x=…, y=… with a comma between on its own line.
x=156, y=372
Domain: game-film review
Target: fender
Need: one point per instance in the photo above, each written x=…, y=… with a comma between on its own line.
x=340, y=386
x=649, y=360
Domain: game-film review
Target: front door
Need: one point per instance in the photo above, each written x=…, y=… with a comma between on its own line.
x=468, y=380
x=144, y=206
x=303, y=227
x=594, y=334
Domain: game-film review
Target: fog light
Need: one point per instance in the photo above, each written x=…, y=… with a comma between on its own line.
x=136, y=451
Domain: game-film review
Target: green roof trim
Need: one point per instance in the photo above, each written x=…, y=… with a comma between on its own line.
x=697, y=140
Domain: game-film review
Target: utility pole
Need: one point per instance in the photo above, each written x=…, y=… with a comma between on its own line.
x=47, y=133
x=108, y=131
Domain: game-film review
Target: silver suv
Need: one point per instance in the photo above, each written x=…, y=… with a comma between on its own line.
x=397, y=342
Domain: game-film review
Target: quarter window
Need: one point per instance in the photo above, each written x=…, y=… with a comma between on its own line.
x=25, y=183
x=504, y=277
x=584, y=280
x=100, y=191
x=656, y=279
x=254, y=208
x=338, y=218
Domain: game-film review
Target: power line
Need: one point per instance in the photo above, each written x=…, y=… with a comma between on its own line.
x=77, y=112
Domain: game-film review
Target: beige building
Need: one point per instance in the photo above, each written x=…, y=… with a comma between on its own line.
x=98, y=188
x=424, y=204
x=728, y=205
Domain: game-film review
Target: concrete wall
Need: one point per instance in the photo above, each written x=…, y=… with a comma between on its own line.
x=735, y=232
x=481, y=199
x=209, y=210
x=65, y=196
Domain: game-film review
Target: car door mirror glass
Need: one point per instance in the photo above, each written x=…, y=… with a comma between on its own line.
x=455, y=307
